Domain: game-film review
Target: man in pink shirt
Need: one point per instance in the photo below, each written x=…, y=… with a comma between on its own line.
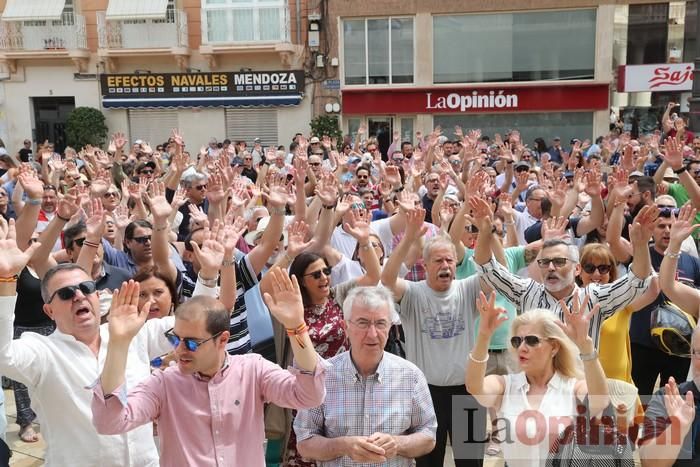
x=209, y=408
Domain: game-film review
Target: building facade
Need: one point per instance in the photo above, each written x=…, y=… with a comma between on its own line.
x=214, y=68
x=546, y=67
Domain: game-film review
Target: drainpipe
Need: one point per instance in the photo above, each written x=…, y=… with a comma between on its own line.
x=297, y=4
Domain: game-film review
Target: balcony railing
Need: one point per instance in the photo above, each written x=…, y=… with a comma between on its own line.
x=143, y=33
x=68, y=33
x=245, y=24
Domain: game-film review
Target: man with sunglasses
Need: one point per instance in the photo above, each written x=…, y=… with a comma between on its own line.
x=195, y=185
x=402, y=429
x=210, y=406
x=58, y=367
x=559, y=265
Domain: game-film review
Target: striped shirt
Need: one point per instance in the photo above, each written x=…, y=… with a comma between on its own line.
x=395, y=400
x=527, y=294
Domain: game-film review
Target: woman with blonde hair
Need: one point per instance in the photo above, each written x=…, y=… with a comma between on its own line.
x=537, y=403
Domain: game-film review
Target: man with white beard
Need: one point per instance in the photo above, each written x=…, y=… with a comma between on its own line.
x=438, y=317
x=559, y=263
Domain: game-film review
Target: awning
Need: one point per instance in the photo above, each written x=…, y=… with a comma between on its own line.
x=25, y=10
x=118, y=10
x=256, y=101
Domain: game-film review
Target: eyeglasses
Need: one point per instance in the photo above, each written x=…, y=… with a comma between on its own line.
x=591, y=268
x=79, y=241
x=317, y=274
x=530, y=341
x=191, y=343
x=558, y=262
x=111, y=194
x=364, y=324
x=455, y=162
x=358, y=206
x=314, y=164
x=142, y=240
x=472, y=229
x=362, y=177
x=146, y=172
x=201, y=187
x=68, y=292
x=397, y=159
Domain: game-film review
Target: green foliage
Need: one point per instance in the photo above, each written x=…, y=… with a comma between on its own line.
x=85, y=125
x=326, y=125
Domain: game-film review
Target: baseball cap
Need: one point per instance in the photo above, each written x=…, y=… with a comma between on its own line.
x=522, y=164
x=556, y=138
x=314, y=140
x=256, y=140
x=354, y=160
x=250, y=237
x=143, y=165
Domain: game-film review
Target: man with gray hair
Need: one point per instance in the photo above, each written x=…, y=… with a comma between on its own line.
x=377, y=407
x=438, y=316
x=559, y=264
x=195, y=185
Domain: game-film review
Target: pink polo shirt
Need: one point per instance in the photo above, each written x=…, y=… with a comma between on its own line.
x=215, y=422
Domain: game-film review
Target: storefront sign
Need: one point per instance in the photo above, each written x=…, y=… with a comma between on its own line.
x=475, y=100
x=659, y=77
x=254, y=88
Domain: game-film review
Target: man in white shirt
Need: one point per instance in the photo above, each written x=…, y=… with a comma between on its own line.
x=531, y=214
x=58, y=368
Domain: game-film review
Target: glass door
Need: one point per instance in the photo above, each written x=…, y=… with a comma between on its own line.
x=381, y=128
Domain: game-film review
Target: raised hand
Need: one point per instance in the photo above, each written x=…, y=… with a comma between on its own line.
x=12, y=259
x=30, y=183
x=177, y=137
x=643, y=226
x=684, y=224
x=197, y=215
x=555, y=228
x=674, y=153
x=125, y=318
x=68, y=204
x=95, y=222
x=278, y=196
x=179, y=198
x=491, y=315
x=415, y=224
x=100, y=183
x=358, y=226
x=286, y=305
x=211, y=254
x=119, y=140
x=297, y=233
x=215, y=189
x=577, y=321
x=233, y=229
x=327, y=190
x=392, y=175
x=679, y=408
x=121, y=217
x=481, y=213
x=160, y=208
x=594, y=183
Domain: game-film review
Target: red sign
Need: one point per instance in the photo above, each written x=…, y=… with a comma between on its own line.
x=500, y=99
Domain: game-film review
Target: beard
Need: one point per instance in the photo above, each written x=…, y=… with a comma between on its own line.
x=562, y=281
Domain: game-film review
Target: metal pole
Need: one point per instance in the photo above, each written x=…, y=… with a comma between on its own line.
x=695, y=99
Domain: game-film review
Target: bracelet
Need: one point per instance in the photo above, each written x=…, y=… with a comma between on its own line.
x=471, y=357
x=92, y=244
x=227, y=264
x=668, y=254
x=277, y=211
x=8, y=280
x=680, y=171
x=399, y=189
x=62, y=218
x=329, y=207
x=160, y=229
x=208, y=282
x=587, y=357
x=33, y=202
x=366, y=247
x=297, y=333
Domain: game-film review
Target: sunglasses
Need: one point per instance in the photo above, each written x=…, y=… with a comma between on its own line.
x=142, y=240
x=397, y=159
x=530, y=341
x=68, y=292
x=591, y=268
x=201, y=187
x=668, y=212
x=523, y=169
x=111, y=194
x=191, y=343
x=317, y=274
x=362, y=177
x=558, y=262
x=314, y=164
x=146, y=172
x=472, y=229
x=79, y=241
x=358, y=206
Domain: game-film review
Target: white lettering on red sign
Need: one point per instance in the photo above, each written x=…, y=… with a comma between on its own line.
x=492, y=100
x=663, y=76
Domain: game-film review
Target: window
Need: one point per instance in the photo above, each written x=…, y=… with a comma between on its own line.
x=378, y=51
x=647, y=34
x=406, y=129
x=531, y=46
x=67, y=17
x=227, y=21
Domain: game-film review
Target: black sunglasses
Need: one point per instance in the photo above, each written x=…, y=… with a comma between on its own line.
x=146, y=172
x=142, y=240
x=317, y=274
x=668, y=212
x=590, y=268
x=79, y=241
x=530, y=341
x=68, y=292
x=191, y=343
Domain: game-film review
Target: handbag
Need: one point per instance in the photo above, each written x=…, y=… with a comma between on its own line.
x=671, y=329
x=592, y=444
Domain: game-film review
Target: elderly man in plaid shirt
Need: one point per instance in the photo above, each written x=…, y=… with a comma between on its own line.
x=377, y=408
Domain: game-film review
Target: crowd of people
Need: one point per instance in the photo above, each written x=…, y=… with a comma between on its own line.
x=336, y=304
